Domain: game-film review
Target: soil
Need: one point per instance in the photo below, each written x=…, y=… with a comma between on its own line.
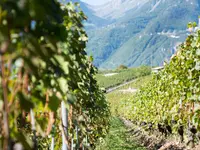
x=155, y=141
x=129, y=90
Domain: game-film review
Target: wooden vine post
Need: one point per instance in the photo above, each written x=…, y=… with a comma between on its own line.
x=77, y=140
x=64, y=126
x=53, y=138
x=33, y=129
x=72, y=143
x=52, y=143
x=3, y=49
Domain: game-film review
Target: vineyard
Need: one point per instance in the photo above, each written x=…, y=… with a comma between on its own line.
x=168, y=103
x=121, y=76
x=49, y=96
x=52, y=97
x=119, y=135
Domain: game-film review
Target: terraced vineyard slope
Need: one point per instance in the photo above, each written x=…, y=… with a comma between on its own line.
x=109, y=79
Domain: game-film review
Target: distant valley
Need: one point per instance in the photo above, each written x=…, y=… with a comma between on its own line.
x=134, y=33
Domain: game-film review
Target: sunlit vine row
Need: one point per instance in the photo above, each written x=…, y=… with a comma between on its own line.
x=173, y=95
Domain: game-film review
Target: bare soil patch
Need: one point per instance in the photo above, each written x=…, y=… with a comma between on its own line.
x=155, y=141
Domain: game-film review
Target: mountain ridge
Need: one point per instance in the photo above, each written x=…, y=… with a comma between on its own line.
x=116, y=8
x=145, y=33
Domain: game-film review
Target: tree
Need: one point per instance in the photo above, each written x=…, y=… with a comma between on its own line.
x=122, y=67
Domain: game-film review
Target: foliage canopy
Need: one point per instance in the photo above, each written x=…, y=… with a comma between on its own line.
x=43, y=62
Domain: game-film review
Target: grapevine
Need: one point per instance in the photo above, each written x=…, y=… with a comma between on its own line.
x=43, y=64
x=172, y=97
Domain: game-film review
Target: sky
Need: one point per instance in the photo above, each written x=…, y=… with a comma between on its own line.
x=95, y=2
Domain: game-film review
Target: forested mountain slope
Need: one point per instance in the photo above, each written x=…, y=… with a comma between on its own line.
x=135, y=33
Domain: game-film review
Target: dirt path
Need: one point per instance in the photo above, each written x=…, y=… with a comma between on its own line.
x=129, y=90
x=119, y=86
x=119, y=138
x=155, y=141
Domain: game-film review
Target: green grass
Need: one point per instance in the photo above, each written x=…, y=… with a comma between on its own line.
x=118, y=138
x=122, y=76
x=138, y=83
x=120, y=101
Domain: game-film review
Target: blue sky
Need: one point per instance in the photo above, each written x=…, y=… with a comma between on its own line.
x=95, y=2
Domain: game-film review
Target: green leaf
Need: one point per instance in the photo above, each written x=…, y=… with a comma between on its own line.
x=54, y=103
x=25, y=102
x=71, y=98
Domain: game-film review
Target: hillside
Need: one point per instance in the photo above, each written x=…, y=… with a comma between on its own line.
x=164, y=108
x=138, y=33
x=109, y=79
x=93, y=21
